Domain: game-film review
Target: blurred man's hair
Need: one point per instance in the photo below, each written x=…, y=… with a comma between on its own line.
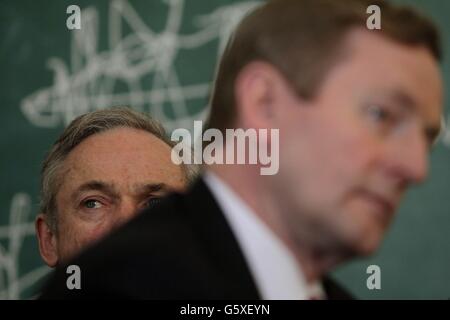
x=304, y=39
x=80, y=129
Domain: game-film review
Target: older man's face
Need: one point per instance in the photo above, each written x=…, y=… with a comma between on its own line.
x=347, y=157
x=107, y=179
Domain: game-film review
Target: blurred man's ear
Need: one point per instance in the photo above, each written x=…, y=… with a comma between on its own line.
x=254, y=92
x=47, y=241
x=258, y=93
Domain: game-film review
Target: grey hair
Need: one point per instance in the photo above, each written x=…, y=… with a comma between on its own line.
x=78, y=130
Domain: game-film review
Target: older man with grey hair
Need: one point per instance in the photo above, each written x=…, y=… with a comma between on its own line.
x=104, y=168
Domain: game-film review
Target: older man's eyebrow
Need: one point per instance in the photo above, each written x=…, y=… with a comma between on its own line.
x=97, y=185
x=145, y=189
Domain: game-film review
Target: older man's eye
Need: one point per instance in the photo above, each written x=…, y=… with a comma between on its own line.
x=152, y=202
x=92, y=204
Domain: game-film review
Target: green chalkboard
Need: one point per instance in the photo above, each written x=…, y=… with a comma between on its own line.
x=159, y=57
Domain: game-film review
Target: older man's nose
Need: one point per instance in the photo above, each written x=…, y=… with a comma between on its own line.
x=127, y=211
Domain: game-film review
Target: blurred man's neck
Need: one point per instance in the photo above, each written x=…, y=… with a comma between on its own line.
x=249, y=186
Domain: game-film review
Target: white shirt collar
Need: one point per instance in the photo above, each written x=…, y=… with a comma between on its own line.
x=274, y=269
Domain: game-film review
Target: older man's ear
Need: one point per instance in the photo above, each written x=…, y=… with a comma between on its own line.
x=46, y=240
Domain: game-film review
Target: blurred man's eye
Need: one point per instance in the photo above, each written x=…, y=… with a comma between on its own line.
x=92, y=204
x=379, y=113
x=384, y=118
x=152, y=202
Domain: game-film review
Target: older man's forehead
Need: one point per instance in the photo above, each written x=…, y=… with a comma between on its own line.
x=115, y=189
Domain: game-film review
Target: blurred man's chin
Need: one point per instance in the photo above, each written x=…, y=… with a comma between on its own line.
x=362, y=230
x=367, y=243
x=361, y=239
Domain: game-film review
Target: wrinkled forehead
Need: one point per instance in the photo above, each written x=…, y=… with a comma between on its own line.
x=123, y=157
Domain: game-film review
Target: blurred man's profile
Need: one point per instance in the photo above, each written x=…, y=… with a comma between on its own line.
x=357, y=112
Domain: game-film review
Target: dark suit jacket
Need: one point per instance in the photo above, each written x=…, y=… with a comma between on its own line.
x=180, y=249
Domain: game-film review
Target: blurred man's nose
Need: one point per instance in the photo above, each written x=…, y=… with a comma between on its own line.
x=410, y=159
